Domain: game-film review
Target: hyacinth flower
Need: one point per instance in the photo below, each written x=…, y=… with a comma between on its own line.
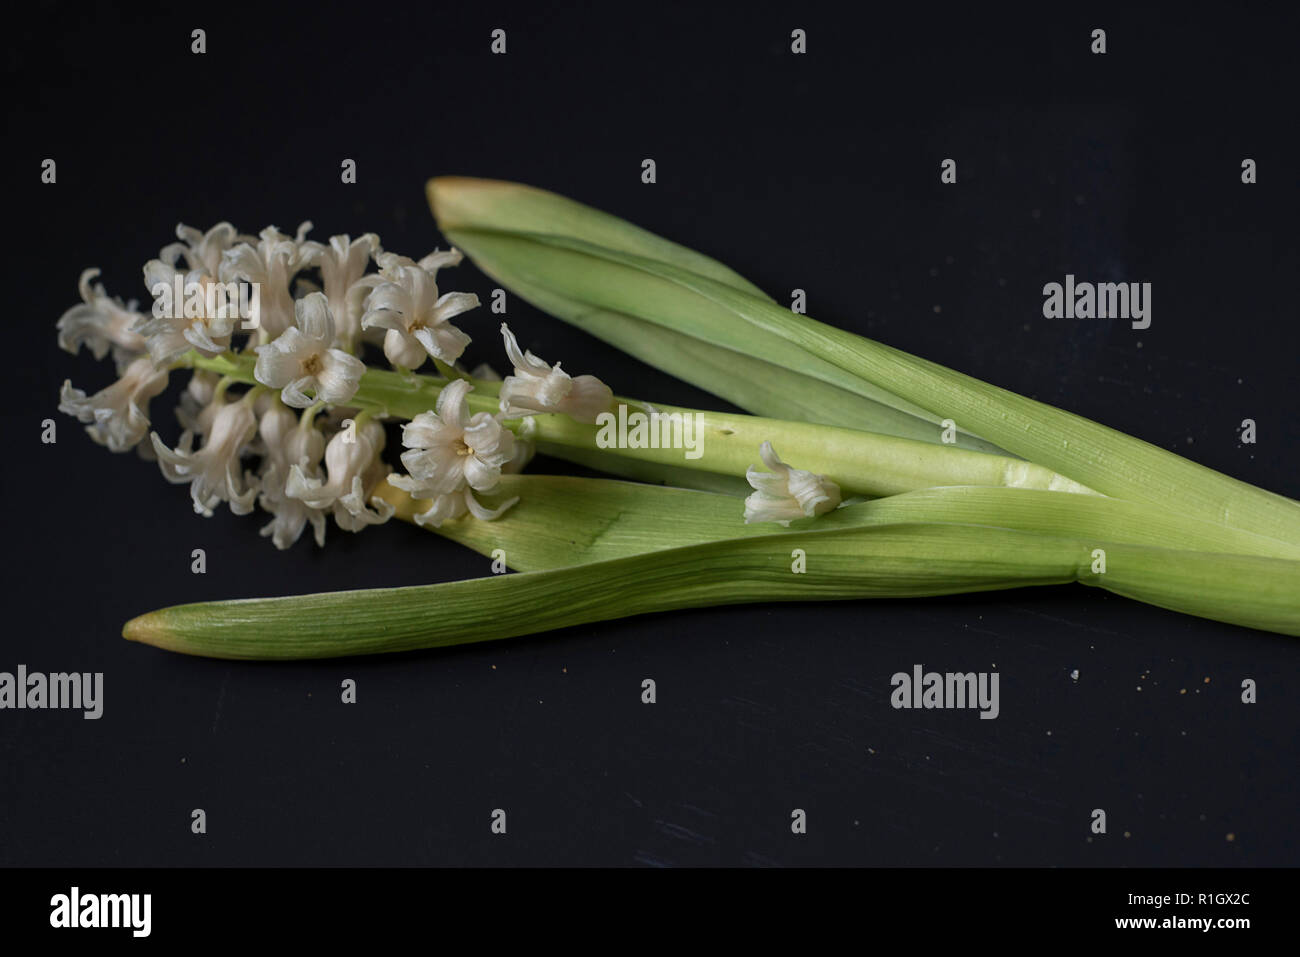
x=783, y=495
x=302, y=362
x=536, y=386
x=290, y=416
x=452, y=454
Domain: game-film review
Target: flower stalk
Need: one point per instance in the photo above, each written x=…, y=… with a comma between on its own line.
x=862, y=463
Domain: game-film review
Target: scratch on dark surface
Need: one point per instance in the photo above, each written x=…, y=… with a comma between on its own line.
x=966, y=744
x=906, y=773
x=683, y=833
x=746, y=702
x=221, y=697
x=848, y=684
x=649, y=860
x=984, y=631
x=1070, y=624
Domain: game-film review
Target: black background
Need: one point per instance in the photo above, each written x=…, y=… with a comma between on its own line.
x=819, y=172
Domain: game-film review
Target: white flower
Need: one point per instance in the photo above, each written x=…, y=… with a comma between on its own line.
x=213, y=471
x=416, y=318
x=443, y=508
x=350, y=460
x=350, y=511
x=100, y=323
x=300, y=359
x=451, y=454
x=343, y=265
x=448, y=448
x=178, y=326
x=272, y=264
x=202, y=251
x=290, y=444
x=118, y=416
x=786, y=493
x=389, y=263
x=196, y=409
x=536, y=387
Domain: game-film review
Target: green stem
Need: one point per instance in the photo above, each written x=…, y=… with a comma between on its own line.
x=861, y=463
x=449, y=371
x=309, y=415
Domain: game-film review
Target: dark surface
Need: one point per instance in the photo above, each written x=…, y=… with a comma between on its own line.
x=819, y=172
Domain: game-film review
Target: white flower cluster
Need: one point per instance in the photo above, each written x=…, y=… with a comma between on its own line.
x=326, y=458
x=452, y=454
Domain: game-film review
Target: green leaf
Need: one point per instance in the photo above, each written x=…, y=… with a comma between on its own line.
x=564, y=520
x=893, y=561
x=508, y=207
x=569, y=262
x=524, y=238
